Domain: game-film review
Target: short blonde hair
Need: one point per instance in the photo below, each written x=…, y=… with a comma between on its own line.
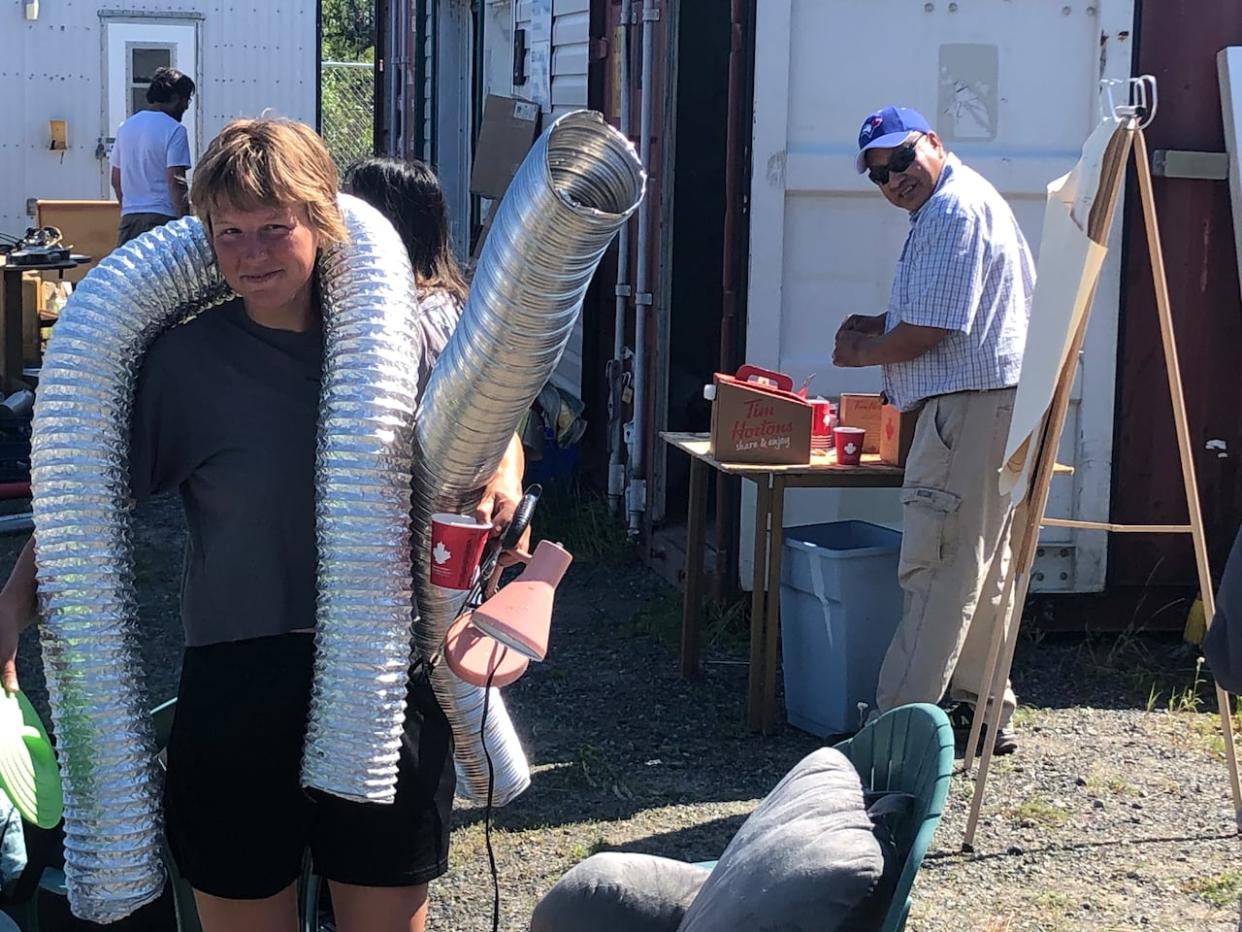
x=265, y=162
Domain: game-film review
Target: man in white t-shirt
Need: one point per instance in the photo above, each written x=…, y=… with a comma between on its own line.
x=150, y=156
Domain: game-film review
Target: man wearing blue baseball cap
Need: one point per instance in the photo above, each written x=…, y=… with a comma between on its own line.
x=950, y=346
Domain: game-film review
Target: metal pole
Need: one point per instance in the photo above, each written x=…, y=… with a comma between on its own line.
x=637, y=491
x=616, y=366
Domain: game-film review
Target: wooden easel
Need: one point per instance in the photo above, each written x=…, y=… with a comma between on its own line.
x=1044, y=443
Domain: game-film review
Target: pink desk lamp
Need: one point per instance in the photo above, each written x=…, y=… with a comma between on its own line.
x=500, y=637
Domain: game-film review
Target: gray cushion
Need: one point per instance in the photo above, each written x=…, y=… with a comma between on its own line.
x=619, y=892
x=806, y=859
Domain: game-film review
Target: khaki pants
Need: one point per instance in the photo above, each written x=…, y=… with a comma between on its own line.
x=133, y=225
x=954, y=552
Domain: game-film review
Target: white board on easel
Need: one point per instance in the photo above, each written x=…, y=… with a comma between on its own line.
x=1229, y=68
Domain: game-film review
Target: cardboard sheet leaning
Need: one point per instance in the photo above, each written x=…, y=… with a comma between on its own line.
x=1067, y=268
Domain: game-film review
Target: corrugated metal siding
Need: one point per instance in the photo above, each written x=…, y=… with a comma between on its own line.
x=1178, y=42
x=252, y=56
x=571, y=38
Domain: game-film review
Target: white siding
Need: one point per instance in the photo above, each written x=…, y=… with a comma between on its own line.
x=571, y=37
x=252, y=56
x=558, y=38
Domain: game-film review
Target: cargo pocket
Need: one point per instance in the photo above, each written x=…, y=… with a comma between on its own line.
x=929, y=527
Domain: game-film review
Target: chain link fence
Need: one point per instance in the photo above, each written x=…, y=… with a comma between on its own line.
x=347, y=110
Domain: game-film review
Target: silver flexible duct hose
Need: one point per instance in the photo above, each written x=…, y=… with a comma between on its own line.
x=84, y=554
x=84, y=560
x=363, y=473
x=580, y=181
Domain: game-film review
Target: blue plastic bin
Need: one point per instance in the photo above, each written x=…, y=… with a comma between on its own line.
x=840, y=606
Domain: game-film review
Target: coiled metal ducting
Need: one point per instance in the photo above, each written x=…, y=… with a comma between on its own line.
x=84, y=560
x=579, y=183
x=363, y=479
x=84, y=553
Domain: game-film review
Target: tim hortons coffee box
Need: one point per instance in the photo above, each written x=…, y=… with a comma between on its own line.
x=862, y=411
x=896, y=435
x=759, y=424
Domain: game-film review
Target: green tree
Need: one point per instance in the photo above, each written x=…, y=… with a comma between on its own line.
x=348, y=30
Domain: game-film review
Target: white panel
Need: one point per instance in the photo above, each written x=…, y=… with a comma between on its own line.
x=251, y=56
x=1229, y=67
x=571, y=36
x=824, y=244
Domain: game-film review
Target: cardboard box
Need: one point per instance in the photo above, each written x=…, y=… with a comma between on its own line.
x=90, y=227
x=509, y=128
x=759, y=423
x=862, y=411
x=896, y=435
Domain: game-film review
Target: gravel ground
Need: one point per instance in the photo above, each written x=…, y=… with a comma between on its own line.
x=1114, y=814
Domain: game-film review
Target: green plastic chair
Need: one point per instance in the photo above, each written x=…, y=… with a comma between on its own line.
x=906, y=750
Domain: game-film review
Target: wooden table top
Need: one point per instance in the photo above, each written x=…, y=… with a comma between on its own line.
x=822, y=464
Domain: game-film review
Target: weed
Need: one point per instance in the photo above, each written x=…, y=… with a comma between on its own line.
x=1188, y=700
x=728, y=624
x=1101, y=778
x=660, y=617
x=579, y=518
x=1023, y=715
x=1221, y=890
x=591, y=761
x=1040, y=812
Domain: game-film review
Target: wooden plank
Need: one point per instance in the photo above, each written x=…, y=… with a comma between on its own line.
x=772, y=623
x=1182, y=426
x=758, y=607
x=1118, y=528
x=692, y=605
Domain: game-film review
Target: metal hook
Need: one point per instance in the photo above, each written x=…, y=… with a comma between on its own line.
x=1140, y=102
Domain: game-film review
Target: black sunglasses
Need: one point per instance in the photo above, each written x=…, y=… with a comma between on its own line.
x=898, y=162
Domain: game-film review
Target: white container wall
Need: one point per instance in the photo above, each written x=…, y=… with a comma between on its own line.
x=83, y=63
x=824, y=243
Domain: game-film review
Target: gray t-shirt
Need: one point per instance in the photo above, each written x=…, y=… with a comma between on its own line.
x=226, y=411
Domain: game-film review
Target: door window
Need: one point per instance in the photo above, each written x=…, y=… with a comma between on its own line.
x=141, y=62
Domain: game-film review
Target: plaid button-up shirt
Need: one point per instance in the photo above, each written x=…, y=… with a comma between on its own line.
x=965, y=268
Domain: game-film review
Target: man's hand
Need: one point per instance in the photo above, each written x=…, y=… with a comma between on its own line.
x=850, y=349
x=502, y=495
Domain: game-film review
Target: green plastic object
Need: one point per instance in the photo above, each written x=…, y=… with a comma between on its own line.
x=28, y=771
x=906, y=750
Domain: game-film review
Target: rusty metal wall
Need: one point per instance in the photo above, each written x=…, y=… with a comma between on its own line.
x=1177, y=42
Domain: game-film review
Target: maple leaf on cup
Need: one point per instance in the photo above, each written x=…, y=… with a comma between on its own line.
x=851, y=448
x=441, y=554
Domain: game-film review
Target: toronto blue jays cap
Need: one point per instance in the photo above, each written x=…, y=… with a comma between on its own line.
x=886, y=129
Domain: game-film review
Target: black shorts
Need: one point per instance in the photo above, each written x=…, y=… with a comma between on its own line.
x=237, y=818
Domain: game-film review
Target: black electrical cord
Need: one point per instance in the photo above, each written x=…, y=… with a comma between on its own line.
x=487, y=812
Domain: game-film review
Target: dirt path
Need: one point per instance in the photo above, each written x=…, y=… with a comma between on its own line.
x=1110, y=817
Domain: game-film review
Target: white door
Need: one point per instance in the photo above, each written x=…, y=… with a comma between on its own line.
x=132, y=52
x=824, y=243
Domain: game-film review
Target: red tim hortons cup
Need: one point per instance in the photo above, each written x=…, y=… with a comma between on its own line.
x=821, y=423
x=457, y=544
x=849, y=444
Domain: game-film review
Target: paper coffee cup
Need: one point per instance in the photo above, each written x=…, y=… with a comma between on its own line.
x=457, y=544
x=821, y=424
x=849, y=443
